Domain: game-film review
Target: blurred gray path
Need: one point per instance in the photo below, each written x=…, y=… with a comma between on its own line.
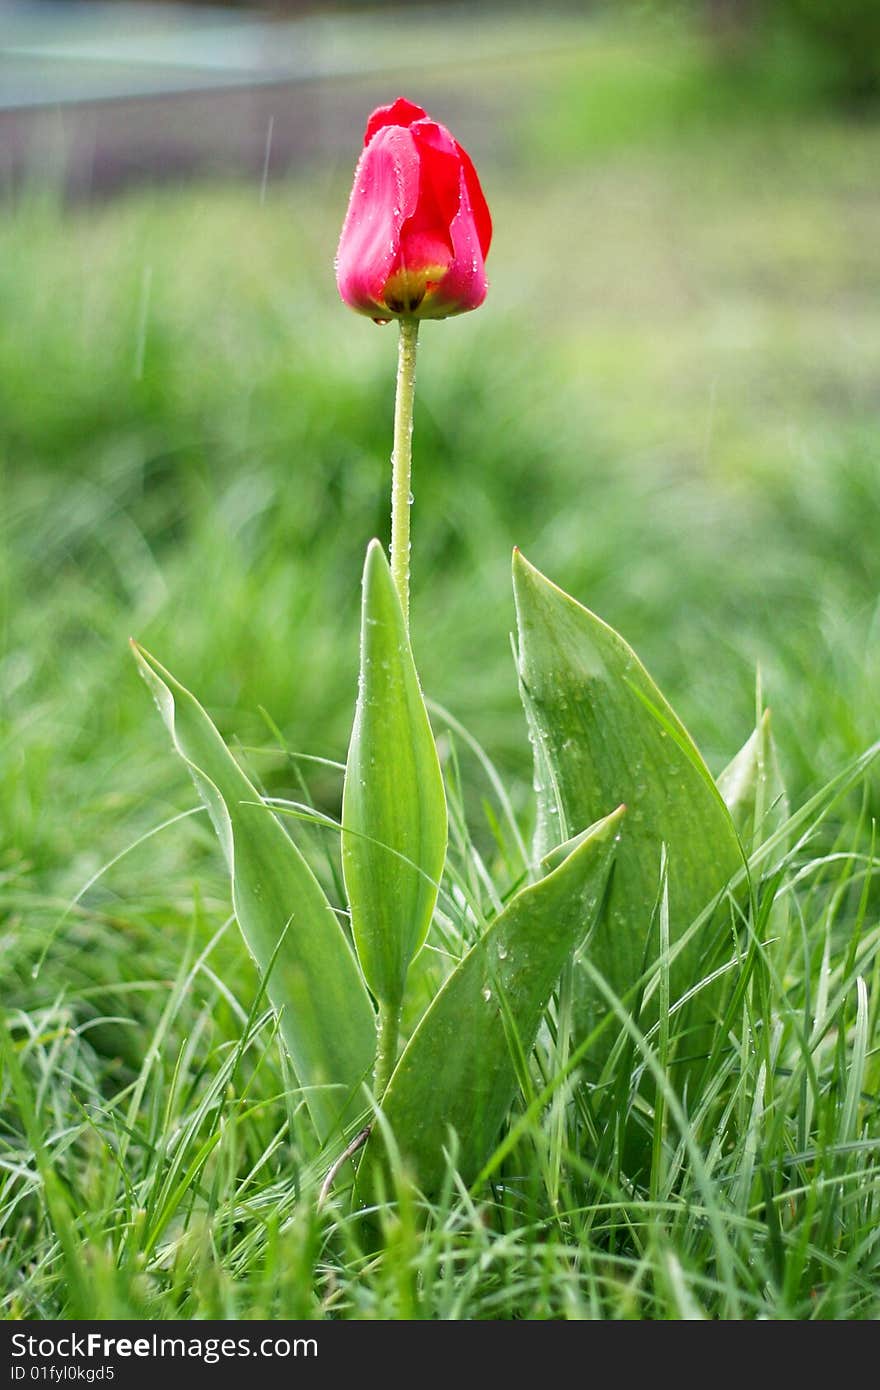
x=95, y=95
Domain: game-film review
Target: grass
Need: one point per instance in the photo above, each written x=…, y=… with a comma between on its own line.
x=669, y=402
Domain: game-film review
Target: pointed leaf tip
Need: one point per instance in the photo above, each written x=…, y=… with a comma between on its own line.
x=154, y=669
x=562, y=854
x=521, y=566
x=377, y=567
x=753, y=788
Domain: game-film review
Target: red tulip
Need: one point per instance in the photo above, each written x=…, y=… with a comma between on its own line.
x=417, y=231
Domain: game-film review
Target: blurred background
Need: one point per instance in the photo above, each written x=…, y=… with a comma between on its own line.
x=670, y=399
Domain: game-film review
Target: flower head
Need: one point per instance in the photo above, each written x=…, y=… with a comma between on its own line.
x=417, y=231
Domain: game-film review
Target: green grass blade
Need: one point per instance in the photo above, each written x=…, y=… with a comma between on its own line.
x=327, y=1021
x=394, y=820
x=59, y=1207
x=458, y=1071
x=849, y=1118
x=603, y=734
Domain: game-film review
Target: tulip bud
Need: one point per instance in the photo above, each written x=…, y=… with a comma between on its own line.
x=417, y=230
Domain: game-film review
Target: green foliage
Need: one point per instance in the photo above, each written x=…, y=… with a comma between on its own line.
x=394, y=829
x=602, y=733
x=753, y=789
x=459, y=1073
x=326, y=1018
x=674, y=412
x=846, y=38
x=185, y=1194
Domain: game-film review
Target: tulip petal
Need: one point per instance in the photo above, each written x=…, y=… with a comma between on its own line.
x=464, y=285
x=439, y=183
x=385, y=194
x=417, y=229
x=426, y=248
x=443, y=213
x=401, y=113
x=477, y=199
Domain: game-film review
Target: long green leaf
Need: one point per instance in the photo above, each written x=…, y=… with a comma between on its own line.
x=602, y=734
x=326, y=1018
x=459, y=1070
x=394, y=821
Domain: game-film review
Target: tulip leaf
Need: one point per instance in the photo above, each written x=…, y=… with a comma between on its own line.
x=326, y=1018
x=459, y=1069
x=394, y=820
x=602, y=734
x=753, y=789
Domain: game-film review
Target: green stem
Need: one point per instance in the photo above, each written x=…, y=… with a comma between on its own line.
x=401, y=501
x=386, y=1051
x=401, y=460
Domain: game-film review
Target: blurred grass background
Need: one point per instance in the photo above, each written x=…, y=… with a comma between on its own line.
x=670, y=402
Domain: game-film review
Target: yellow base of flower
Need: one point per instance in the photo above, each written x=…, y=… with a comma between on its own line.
x=408, y=293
